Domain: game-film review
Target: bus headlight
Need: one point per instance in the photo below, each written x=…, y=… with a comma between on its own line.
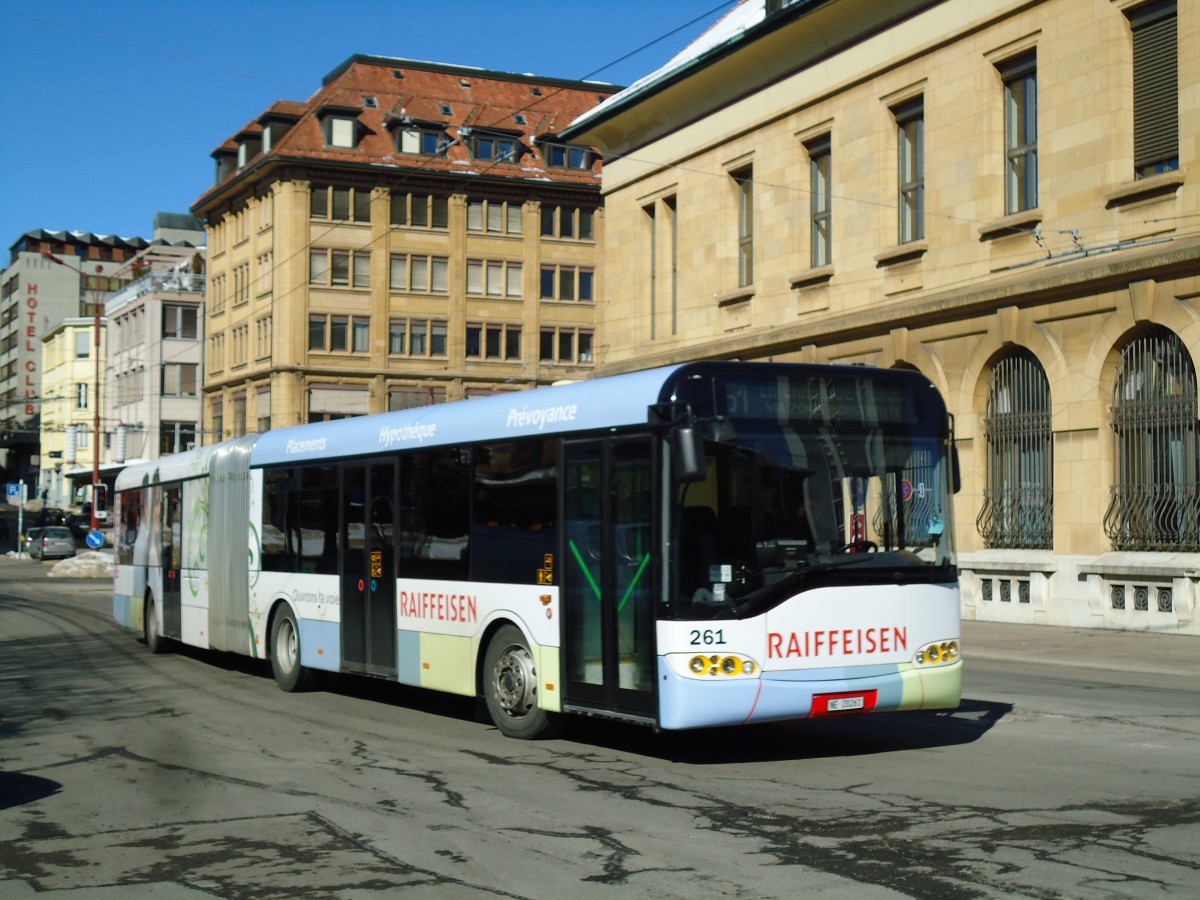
x=728, y=665
x=939, y=653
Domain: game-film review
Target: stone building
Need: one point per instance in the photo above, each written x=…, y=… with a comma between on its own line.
x=1000, y=194
x=50, y=276
x=412, y=233
x=156, y=345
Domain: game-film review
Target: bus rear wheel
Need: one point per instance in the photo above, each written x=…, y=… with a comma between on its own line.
x=155, y=642
x=285, y=653
x=510, y=687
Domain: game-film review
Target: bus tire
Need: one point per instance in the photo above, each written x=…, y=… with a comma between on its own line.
x=285, y=653
x=510, y=687
x=155, y=642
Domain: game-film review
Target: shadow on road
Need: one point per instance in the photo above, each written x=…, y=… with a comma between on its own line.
x=17, y=789
x=773, y=741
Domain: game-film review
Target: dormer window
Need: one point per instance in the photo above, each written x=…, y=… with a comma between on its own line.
x=493, y=147
x=339, y=125
x=426, y=142
x=226, y=164
x=248, y=148
x=567, y=156
x=423, y=139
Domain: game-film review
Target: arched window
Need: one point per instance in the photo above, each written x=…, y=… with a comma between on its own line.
x=1018, y=496
x=1154, y=502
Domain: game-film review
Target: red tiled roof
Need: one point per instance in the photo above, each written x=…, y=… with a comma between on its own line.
x=475, y=97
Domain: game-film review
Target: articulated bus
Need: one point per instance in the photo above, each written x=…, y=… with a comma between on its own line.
x=710, y=544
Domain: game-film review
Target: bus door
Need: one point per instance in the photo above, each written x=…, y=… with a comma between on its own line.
x=172, y=552
x=608, y=576
x=368, y=567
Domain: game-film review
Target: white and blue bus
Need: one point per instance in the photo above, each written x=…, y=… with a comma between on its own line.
x=715, y=543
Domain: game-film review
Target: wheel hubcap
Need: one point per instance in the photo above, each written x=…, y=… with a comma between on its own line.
x=286, y=646
x=515, y=680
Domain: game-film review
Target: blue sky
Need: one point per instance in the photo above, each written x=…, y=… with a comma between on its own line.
x=108, y=112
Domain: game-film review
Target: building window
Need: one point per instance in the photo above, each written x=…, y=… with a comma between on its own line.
x=1020, y=133
x=414, y=397
x=83, y=344
x=743, y=180
x=81, y=395
x=1155, y=494
x=179, y=321
x=360, y=336
x=497, y=341
x=338, y=334
x=1155, y=88
x=567, y=156
x=910, y=157
x=571, y=222
x=420, y=210
x=416, y=337
x=421, y=140
x=179, y=380
x=419, y=274
x=820, y=166
x=263, y=411
x=493, y=278
x=494, y=148
x=566, y=345
x=340, y=131
x=570, y=283
x=339, y=268
x=1018, y=494
x=494, y=216
x=175, y=437
x=341, y=204
x=263, y=337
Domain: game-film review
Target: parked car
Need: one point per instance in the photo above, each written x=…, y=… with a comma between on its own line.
x=52, y=542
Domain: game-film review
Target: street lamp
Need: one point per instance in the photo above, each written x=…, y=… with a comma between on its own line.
x=96, y=399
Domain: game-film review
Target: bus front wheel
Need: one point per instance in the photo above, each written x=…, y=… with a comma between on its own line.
x=285, y=653
x=510, y=687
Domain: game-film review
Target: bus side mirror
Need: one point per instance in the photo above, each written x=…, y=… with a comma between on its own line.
x=687, y=446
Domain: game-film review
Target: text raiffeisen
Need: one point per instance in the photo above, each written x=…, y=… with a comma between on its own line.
x=439, y=607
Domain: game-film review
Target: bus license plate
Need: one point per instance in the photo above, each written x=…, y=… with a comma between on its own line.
x=844, y=704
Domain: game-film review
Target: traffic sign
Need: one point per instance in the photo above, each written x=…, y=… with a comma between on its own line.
x=95, y=540
x=12, y=492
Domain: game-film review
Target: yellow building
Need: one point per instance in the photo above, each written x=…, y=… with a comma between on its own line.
x=1000, y=194
x=68, y=441
x=412, y=233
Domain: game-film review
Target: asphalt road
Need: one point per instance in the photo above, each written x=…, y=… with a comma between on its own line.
x=191, y=775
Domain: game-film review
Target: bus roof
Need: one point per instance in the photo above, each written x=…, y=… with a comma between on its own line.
x=612, y=402
x=620, y=400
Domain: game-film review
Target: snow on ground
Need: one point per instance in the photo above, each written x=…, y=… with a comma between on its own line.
x=86, y=565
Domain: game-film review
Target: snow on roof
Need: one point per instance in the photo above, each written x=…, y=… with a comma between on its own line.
x=727, y=29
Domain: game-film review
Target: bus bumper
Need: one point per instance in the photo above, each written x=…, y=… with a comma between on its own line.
x=775, y=696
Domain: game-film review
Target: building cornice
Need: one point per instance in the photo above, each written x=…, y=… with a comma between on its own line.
x=1021, y=288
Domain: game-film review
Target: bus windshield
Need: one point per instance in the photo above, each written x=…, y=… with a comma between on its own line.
x=815, y=479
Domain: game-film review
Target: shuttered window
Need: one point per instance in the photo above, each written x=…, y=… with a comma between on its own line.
x=1155, y=89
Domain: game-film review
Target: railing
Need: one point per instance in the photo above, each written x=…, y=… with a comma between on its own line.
x=168, y=282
